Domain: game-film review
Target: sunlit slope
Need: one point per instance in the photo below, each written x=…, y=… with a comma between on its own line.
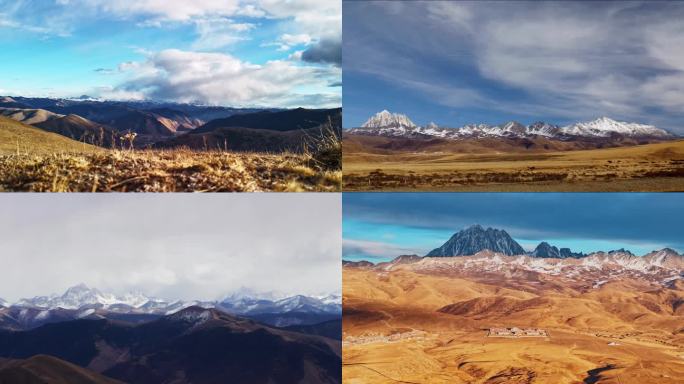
x=16, y=137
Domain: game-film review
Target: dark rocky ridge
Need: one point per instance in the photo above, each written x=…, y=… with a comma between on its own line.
x=475, y=239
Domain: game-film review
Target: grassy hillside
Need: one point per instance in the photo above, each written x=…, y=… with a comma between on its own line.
x=165, y=171
x=32, y=159
x=650, y=167
x=19, y=138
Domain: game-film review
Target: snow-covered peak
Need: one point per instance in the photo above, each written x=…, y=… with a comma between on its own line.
x=243, y=293
x=605, y=126
x=386, y=119
x=81, y=295
x=333, y=298
x=386, y=123
x=3, y=303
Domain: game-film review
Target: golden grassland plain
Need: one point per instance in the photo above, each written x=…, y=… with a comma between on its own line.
x=650, y=167
x=35, y=160
x=595, y=336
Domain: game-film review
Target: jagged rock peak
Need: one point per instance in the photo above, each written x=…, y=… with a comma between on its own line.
x=474, y=239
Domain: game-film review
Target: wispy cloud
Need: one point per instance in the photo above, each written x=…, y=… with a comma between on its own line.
x=352, y=248
x=643, y=221
x=209, y=51
x=567, y=60
x=217, y=78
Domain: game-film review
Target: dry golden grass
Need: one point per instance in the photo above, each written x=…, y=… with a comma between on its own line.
x=164, y=171
x=34, y=160
x=648, y=346
x=651, y=167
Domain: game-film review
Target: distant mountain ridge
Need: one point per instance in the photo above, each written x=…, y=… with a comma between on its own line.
x=80, y=301
x=388, y=124
x=475, y=239
x=265, y=131
x=663, y=267
x=171, y=125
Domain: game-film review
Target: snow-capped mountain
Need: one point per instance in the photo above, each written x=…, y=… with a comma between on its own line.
x=546, y=250
x=242, y=301
x=603, y=127
x=82, y=302
x=385, y=119
x=397, y=125
x=81, y=295
x=3, y=303
x=664, y=267
x=475, y=239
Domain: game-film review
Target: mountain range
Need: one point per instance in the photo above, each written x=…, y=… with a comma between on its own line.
x=475, y=238
x=483, y=251
x=389, y=124
x=194, y=345
x=171, y=125
x=82, y=302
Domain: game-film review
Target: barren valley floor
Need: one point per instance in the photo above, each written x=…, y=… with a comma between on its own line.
x=651, y=167
x=599, y=335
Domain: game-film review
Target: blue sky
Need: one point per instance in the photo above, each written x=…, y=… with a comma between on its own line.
x=228, y=52
x=381, y=226
x=462, y=62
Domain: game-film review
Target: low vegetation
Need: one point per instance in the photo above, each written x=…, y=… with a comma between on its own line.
x=34, y=160
x=163, y=171
x=651, y=167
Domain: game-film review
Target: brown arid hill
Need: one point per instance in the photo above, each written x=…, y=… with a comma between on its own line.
x=384, y=145
x=72, y=126
x=374, y=163
x=18, y=138
x=45, y=369
x=610, y=318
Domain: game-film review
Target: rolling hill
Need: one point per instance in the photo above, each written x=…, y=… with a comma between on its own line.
x=18, y=137
x=42, y=369
x=261, y=131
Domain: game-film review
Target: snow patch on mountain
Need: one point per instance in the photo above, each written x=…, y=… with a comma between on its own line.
x=390, y=124
x=599, y=268
x=81, y=295
x=385, y=119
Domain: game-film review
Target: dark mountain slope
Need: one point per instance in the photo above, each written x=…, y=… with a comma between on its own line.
x=192, y=346
x=290, y=120
x=331, y=329
x=261, y=132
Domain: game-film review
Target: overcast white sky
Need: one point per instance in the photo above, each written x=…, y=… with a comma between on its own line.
x=173, y=246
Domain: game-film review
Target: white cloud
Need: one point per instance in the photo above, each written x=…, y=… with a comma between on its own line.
x=376, y=249
x=180, y=246
x=581, y=60
x=178, y=10
x=219, y=33
x=286, y=41
x=216, y=78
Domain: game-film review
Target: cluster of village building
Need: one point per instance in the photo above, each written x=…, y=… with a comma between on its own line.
x=517, y=332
